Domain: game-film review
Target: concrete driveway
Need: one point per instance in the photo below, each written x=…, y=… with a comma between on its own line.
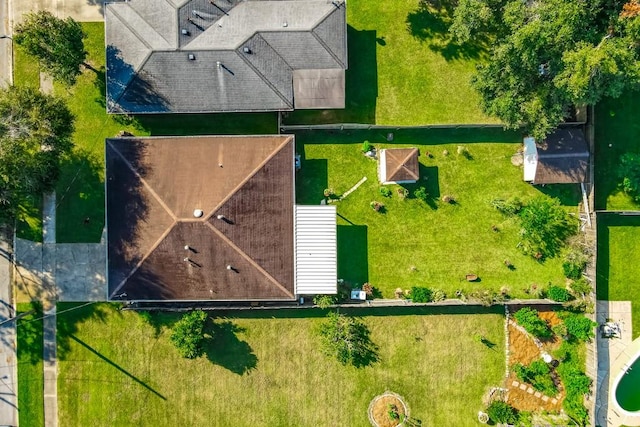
x=80, y=10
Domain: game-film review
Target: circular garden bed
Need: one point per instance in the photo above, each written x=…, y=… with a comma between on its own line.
x=388, y=410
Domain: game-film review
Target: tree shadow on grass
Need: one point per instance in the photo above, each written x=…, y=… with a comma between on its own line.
x=29, y=336
x=568, y=194
x=430, y=23
x=70, y=315
x=227, y=350
x=80, y=199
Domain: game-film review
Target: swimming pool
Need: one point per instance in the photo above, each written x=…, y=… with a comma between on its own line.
x=627, y=387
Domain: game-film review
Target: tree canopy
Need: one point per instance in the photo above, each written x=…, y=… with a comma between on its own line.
x=57, y=43
x=549, y=55
x=35, y=132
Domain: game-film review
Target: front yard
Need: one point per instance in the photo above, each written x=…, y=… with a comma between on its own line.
x=265, y=369
x=433, y=244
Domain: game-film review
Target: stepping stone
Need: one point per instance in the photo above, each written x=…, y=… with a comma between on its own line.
x=538, y=394
x=554, y=400
x=545, y=398
x=515, y=384
x=530, y=390
x=523, y=386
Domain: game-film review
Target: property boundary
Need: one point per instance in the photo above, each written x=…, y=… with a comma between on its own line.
x=365, y=126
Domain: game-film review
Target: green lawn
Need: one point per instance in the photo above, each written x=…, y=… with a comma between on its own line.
x=617, y=131
x=403, y=68
x=30, y=374
x=265, y=369
x=618, y=258
x=432, y=244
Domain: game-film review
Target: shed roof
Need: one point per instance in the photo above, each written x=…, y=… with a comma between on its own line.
x=241, y=248
x=236, y=55
x=563, y=158
x=401, y=165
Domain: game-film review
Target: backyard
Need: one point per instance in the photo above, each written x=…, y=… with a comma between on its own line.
x=433, y=244
x=617, y=131
x=265, y=368
x=404, y=69
x=618, y=256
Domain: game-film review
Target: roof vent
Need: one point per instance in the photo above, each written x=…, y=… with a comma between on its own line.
x=198, y=213
x=246, y=50
x=184, y=32
x=284, y=24
x=192, y=57
x=218, y=64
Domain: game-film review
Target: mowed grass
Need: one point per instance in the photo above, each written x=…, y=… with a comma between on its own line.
x=617, y=131
x=116, y=369
x=618, y=256
x=80, y=189
x=433, y=244
x=30, y=374
x=404, y=68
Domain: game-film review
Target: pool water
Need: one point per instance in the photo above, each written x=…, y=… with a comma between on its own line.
x=628, y=390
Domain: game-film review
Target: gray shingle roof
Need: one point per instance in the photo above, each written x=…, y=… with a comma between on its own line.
x=149, y=68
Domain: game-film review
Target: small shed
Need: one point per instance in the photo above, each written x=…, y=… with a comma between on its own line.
x=562, y=158
x=399, y=166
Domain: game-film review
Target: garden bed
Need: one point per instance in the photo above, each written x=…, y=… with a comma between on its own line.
x=388, y=410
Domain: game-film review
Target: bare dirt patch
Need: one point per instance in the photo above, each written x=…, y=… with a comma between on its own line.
x=383, y=406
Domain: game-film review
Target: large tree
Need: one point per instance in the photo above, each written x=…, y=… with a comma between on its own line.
x=56, y=43
x=549, y=55
x=35, y=132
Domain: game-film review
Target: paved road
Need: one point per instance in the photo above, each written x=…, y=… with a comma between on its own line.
x=8, y=375
x=5, y=44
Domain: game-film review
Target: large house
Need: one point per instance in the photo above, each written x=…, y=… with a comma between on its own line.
x=213, y=218
x=197, y=56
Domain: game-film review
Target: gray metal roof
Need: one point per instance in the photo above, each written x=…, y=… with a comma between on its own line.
x=236, y=55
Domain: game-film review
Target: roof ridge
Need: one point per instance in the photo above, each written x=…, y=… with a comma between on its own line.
x=250, y=260
x=402, y=163
x=126, y=24
x=262, y=76
x=322, y=42
x=248, y=177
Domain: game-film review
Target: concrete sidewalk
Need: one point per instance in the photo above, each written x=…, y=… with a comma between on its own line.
x=8, y=361
x=6, y=47
x=80, y=10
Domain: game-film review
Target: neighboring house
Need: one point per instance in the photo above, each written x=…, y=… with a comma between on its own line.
x=177, y=56
x=562, y=158
x=399, y=166
x=213, y=218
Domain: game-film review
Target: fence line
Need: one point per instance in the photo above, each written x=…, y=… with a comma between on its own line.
x=365, y=126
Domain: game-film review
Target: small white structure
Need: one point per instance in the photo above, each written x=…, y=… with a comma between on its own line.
x=316, y=250
x=399, y=166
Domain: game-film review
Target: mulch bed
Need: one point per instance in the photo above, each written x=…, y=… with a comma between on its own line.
x=523, y=350
x=380, y=407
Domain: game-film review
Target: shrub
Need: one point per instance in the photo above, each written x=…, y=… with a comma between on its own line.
x=502, y=412
x=418, y=294
x=511, y=206
x=545, y=227
x=188, y=334
x=347, y=339
x=377, y=206
x=576, y=383
x=629, y=175
x=366, y=146
x=581, y=286
x=538, y=375
x=438, y=295
x=528, y=318
x=385, y=191
x=402, y=193
x=558, y=294
x=324, y=301
x=560, y=329
x=574, y=264
x=579, y=326
x=421, y=194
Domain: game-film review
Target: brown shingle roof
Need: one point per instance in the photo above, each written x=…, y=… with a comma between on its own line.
x=402, y=164
x=153, y=187
x=563, y=157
